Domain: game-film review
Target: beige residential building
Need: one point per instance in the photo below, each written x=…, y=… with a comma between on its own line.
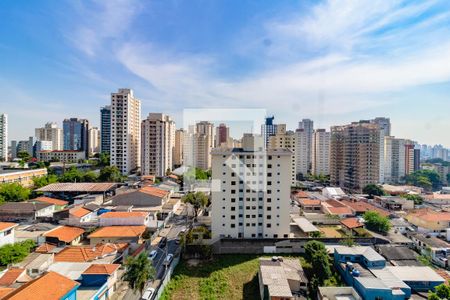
x=285, y=140
x=198, y=143
x=50, y=132
x=125, y=131
x=94, y=140
x=178, y=148
x=355, y=155
x=158, y=143
x=320, y=152
x=302, y=152
x=64, y=156
x=398, y=158
x=250, y=190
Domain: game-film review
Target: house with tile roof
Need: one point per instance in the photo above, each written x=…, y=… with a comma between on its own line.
x=122, y=218
x=14, y=277
x=64, y=235
x=349, y=225
x=25, y=211
x=102, y=276
x=308, y=205
x=74, y=215
x=7, y=233
x=117, y=234
x=146, y=196
x=50, y=286
x=100, y=253
x=429, y=221
x=59, y=204
x=335, y=207
x=359, y=207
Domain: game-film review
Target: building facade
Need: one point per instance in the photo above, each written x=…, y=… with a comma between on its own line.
x=222, y=136
x=105, y=129
x=76, y=135
x=50, y=132
x=320, y=152
x=125, y=131
x=286, y=140
x=3, y=137
x=178, y=148
x=94, y=140
x=64, y=156
x=252, y=188
x=158, y=142
x=398, y=159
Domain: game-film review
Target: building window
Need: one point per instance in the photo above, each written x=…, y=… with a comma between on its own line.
x=268, y=225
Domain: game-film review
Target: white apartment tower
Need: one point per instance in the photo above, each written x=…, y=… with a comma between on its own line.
x=384, y=125
x=320, y=152
x=94, y=140
x=3, y=137
x=125, y=131
x=307, y=126
x=250, y=190
x=302, y=152
x=50, y=132
x=158, y=143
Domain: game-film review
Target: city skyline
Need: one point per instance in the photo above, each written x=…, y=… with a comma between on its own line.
x=323, y=62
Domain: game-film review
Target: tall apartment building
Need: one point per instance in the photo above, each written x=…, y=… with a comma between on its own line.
x=76, y=135
x=320, y=152
x=125, y=131
x=399, y=158
x=105, y=129
x=223, y=136
x=307, y=126
x=286, y=140
x=94, y=140
x=158, y=143
x=268, y=129
x=252, y=188
x=302, y=158
x=3, y=137
x=385, y=130
x=203, y=143
x=355, y=155
x=178, y=148
x=51, y=132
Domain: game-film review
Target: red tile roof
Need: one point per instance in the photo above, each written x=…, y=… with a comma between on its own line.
x=50, y=286
x=6, y=225
x=431, y=215
x=79, y=212
x=301, y=194
x=65, y=233
x=154, y=191
x=45, y=248
x=305, y=201
x=340, y=210
x=123, y=214
x=352, y=223
x=5, y=291
x=51, y=201
x=102, y=269
x=89, y=253
x=118, y=231
x=10, y=276
x=362, y=207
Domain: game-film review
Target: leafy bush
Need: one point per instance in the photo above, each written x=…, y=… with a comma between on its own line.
x=14, y=253
x=376, y=222
x=13, y=192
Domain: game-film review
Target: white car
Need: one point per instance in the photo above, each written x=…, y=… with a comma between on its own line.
x=153, y=254
x=148, y=294
x=168, y=259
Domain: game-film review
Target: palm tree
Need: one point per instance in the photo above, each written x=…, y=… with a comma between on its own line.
x=138, y=270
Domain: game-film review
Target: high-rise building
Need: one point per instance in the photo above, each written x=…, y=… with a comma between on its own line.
x=285, y=140
x=223, y=136
x=51, y=132
x=307, y=126
x=302, y=159
x=203, y=143
x=76, y=135
x=178, y=148
x=3, y=137
x=249, y=201
x=385, y=130
x=320, y=152
x=105, y=129
x=94, y=140
x=355, y=155
x=268, y=129
x=398, y=157
x=158, y=142
x=13, y=149
x=125, y=131
x=416, y=160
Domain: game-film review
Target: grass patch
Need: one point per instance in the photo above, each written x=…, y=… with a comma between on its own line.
x=225, y=277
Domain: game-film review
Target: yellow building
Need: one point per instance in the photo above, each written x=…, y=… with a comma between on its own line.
x=24, y=177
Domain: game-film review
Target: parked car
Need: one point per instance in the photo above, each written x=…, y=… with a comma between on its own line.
x=168, y=259
x=162, y=242
x=148, y=294
x=153, y=254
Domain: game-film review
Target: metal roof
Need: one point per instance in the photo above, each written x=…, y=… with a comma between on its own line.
x=305, y=225
x=78, y=187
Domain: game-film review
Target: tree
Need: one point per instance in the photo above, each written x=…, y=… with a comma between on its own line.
x=24, y=157
x=418, y=200
x=39, y=182
x=426, y=179
x=376, y=222
x=373, y=190
x=442, y=291
x=198, y=200
x=14, y=192
x=316, y=255
x=72, y=175
x=110, y=174
x=90, y=176
x=348, y=241
x=103, y=159
x=138, y=270
x=433, y=296
x=14, y=253
x=311, y=247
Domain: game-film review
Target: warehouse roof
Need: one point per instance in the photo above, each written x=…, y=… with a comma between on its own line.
x=78, y=187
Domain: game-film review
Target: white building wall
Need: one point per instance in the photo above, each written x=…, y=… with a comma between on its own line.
x=7, y=237
x=321, y=152
x=129, y=221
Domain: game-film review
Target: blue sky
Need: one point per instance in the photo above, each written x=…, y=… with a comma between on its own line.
x=332, y=61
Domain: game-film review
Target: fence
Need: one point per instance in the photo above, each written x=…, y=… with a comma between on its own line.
x=167, y=277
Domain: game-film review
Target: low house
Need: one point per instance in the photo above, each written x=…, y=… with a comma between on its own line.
x=333, y=193
x=36, y=263
x=281, y=278
x=14, y=277
x=74, y=215
x=400, y=225
x=397, y=190
x=309, y=205
x=146, y=196
x=69, y=190
x=118, y=218
x=25, y=211
x=350, y=225
x=33, y=232
x=64, y=235
x=359, y=207
x=399, y=255
x=45, y=248
x=100, y=253
x=50, y=286
x=337, y=293
x=7, y=233
x=59, y=204
x=117, y=234
x=306, y=226
x=429, y=221
x=438, y=198
x=336, y=208
x=100, y=277
x=437, y=249
x=394, y=203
